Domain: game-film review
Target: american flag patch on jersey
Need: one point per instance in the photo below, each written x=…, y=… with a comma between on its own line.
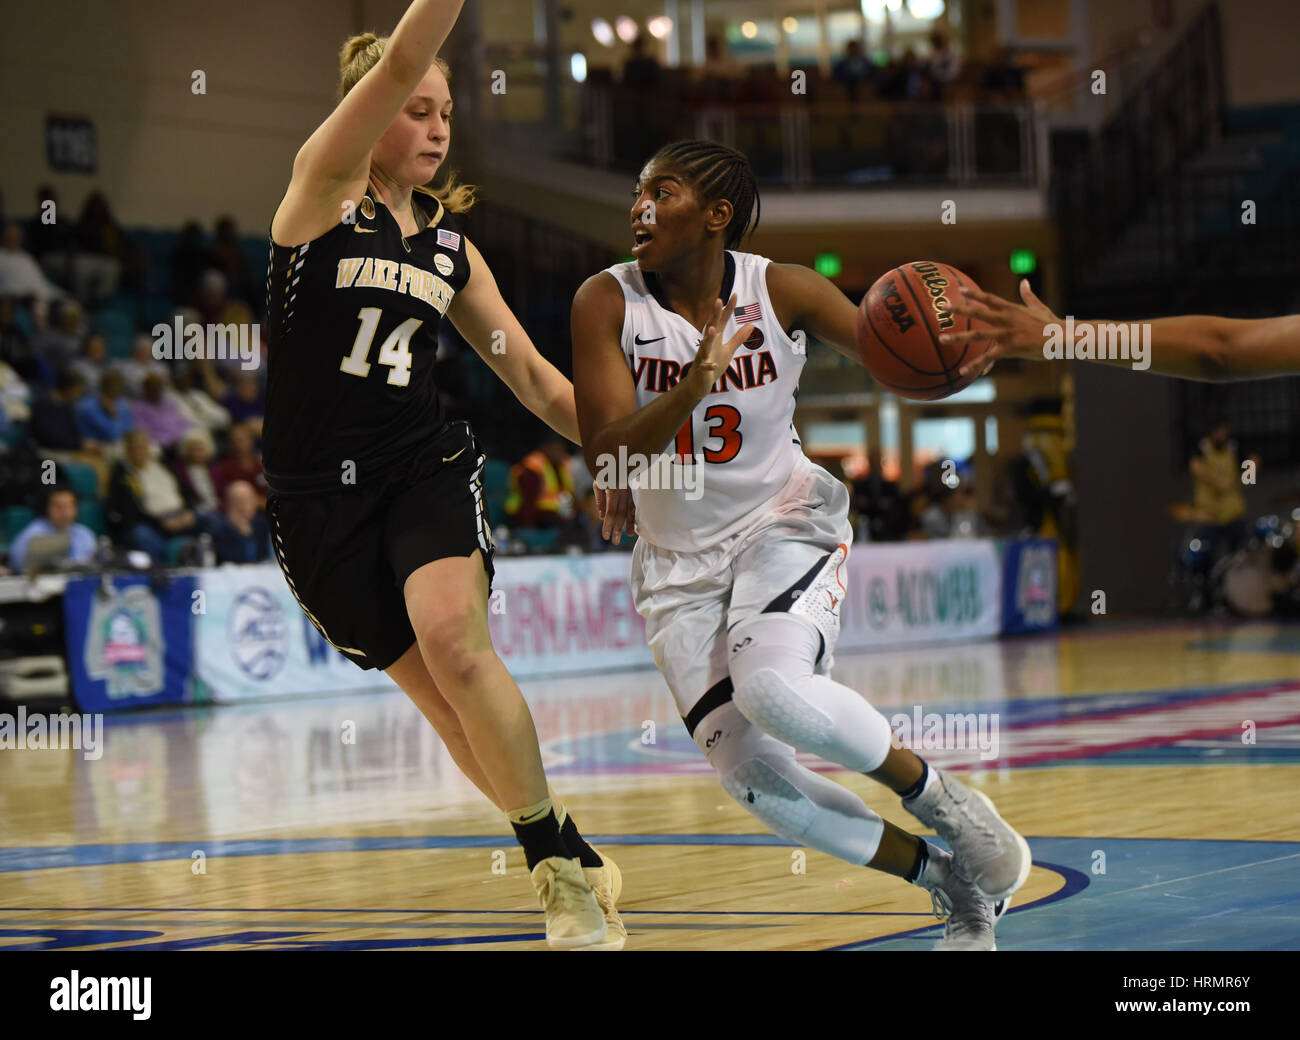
x=749, y=312
x=450, y=239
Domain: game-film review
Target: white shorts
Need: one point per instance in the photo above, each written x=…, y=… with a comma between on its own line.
x=690, y=600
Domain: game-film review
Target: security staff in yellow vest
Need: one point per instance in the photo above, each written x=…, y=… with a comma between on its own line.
x=1217, y=475
x=541, y=487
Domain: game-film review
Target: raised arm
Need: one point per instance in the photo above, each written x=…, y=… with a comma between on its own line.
x=808, y=301
x=333, y=166
x=1194, y=346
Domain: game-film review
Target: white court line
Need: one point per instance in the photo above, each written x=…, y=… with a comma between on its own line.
x=1208, y=873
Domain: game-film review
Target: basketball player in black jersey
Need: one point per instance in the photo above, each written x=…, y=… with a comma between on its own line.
x=376, y=506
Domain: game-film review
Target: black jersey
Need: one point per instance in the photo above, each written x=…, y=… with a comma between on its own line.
x=352, y=329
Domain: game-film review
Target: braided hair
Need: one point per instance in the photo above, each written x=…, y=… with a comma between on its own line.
x=717, y=172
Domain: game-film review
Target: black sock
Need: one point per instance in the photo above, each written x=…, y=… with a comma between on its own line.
x=541, y=840
x=577, y=844
x=919, y=786
x=922, y=858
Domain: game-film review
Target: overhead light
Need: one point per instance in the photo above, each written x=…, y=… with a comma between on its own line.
x=660, y=26
x=924, y=10
x=790, y=25
x=874, y=11
x=578, y=67
x=626, y=28
x=749, y=30
x=602, y=31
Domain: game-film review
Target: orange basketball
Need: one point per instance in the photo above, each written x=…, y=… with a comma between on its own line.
x=899, y=321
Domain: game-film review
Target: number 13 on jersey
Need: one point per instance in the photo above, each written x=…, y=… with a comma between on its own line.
x=721, y=421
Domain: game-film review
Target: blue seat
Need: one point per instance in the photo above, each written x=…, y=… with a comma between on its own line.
x=84, y=480
x=90, y=513
x=16, y=518
x=538, y=541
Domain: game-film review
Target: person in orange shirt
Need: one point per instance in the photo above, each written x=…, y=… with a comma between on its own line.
x=541, y=486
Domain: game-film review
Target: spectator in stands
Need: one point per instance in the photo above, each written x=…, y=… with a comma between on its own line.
x=146, y=504
x=53, y=428
x=51, y=237
x=158, y=415
x=908, y=80
x=541, y=486
x=15, y=396
x=193, y=470
x=196, y=404
x=720, y=75
x=102, y=251
x=1004, y=75
x=93, y=362
x=60, y=343
x=140, y=365
x=641, y=70
x=233, y=261
x=1216, y=476
x=190, y=258
x=105, y=417
x=21, y=276
x=943, y=64
x=240, y=533
x=853, y=68
x=243, y=463
x=13, y=340
x=60, y=518
x=245, y=401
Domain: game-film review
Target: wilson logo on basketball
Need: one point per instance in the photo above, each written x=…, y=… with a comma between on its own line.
x=896, y=307
x=937, y=286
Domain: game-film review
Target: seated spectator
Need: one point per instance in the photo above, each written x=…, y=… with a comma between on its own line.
x=240, y=533
x=93, y=362
x=146, y=504
x=140, y=364
x=21, y=276
x=541, y=486
x=215, y=307
x=15, y=397
x=105, y=417
x=16, y=348
x=101, y=251
x=50, y=240
x=59, y=343
x=157, y=415
x=245, y=400
x=641, y=70
x=189, y=259
x=243, y=463
x=60, y=518
x=232, y=260
x=53, y=427
x=195, y=403
x=194, y=470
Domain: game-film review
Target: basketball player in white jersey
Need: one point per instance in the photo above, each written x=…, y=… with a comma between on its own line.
x=740, y=585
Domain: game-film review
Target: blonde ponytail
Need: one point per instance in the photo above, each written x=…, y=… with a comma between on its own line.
x=359, y=55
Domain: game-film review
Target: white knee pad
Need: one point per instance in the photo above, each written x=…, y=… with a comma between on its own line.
x=761, y=774
x=774, y=688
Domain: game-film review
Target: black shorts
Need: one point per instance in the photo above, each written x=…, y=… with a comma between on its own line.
x=347, y=552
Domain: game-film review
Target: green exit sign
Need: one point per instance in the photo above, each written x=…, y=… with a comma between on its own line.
x=828, y=265
x=1023, y=261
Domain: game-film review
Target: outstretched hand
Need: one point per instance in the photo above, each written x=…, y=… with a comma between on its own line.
x=713, y=355
x=1013, y=330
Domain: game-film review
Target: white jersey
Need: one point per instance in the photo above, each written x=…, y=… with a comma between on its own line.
x=740, y=441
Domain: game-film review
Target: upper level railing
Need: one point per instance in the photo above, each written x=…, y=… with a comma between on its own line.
x=800, y=142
